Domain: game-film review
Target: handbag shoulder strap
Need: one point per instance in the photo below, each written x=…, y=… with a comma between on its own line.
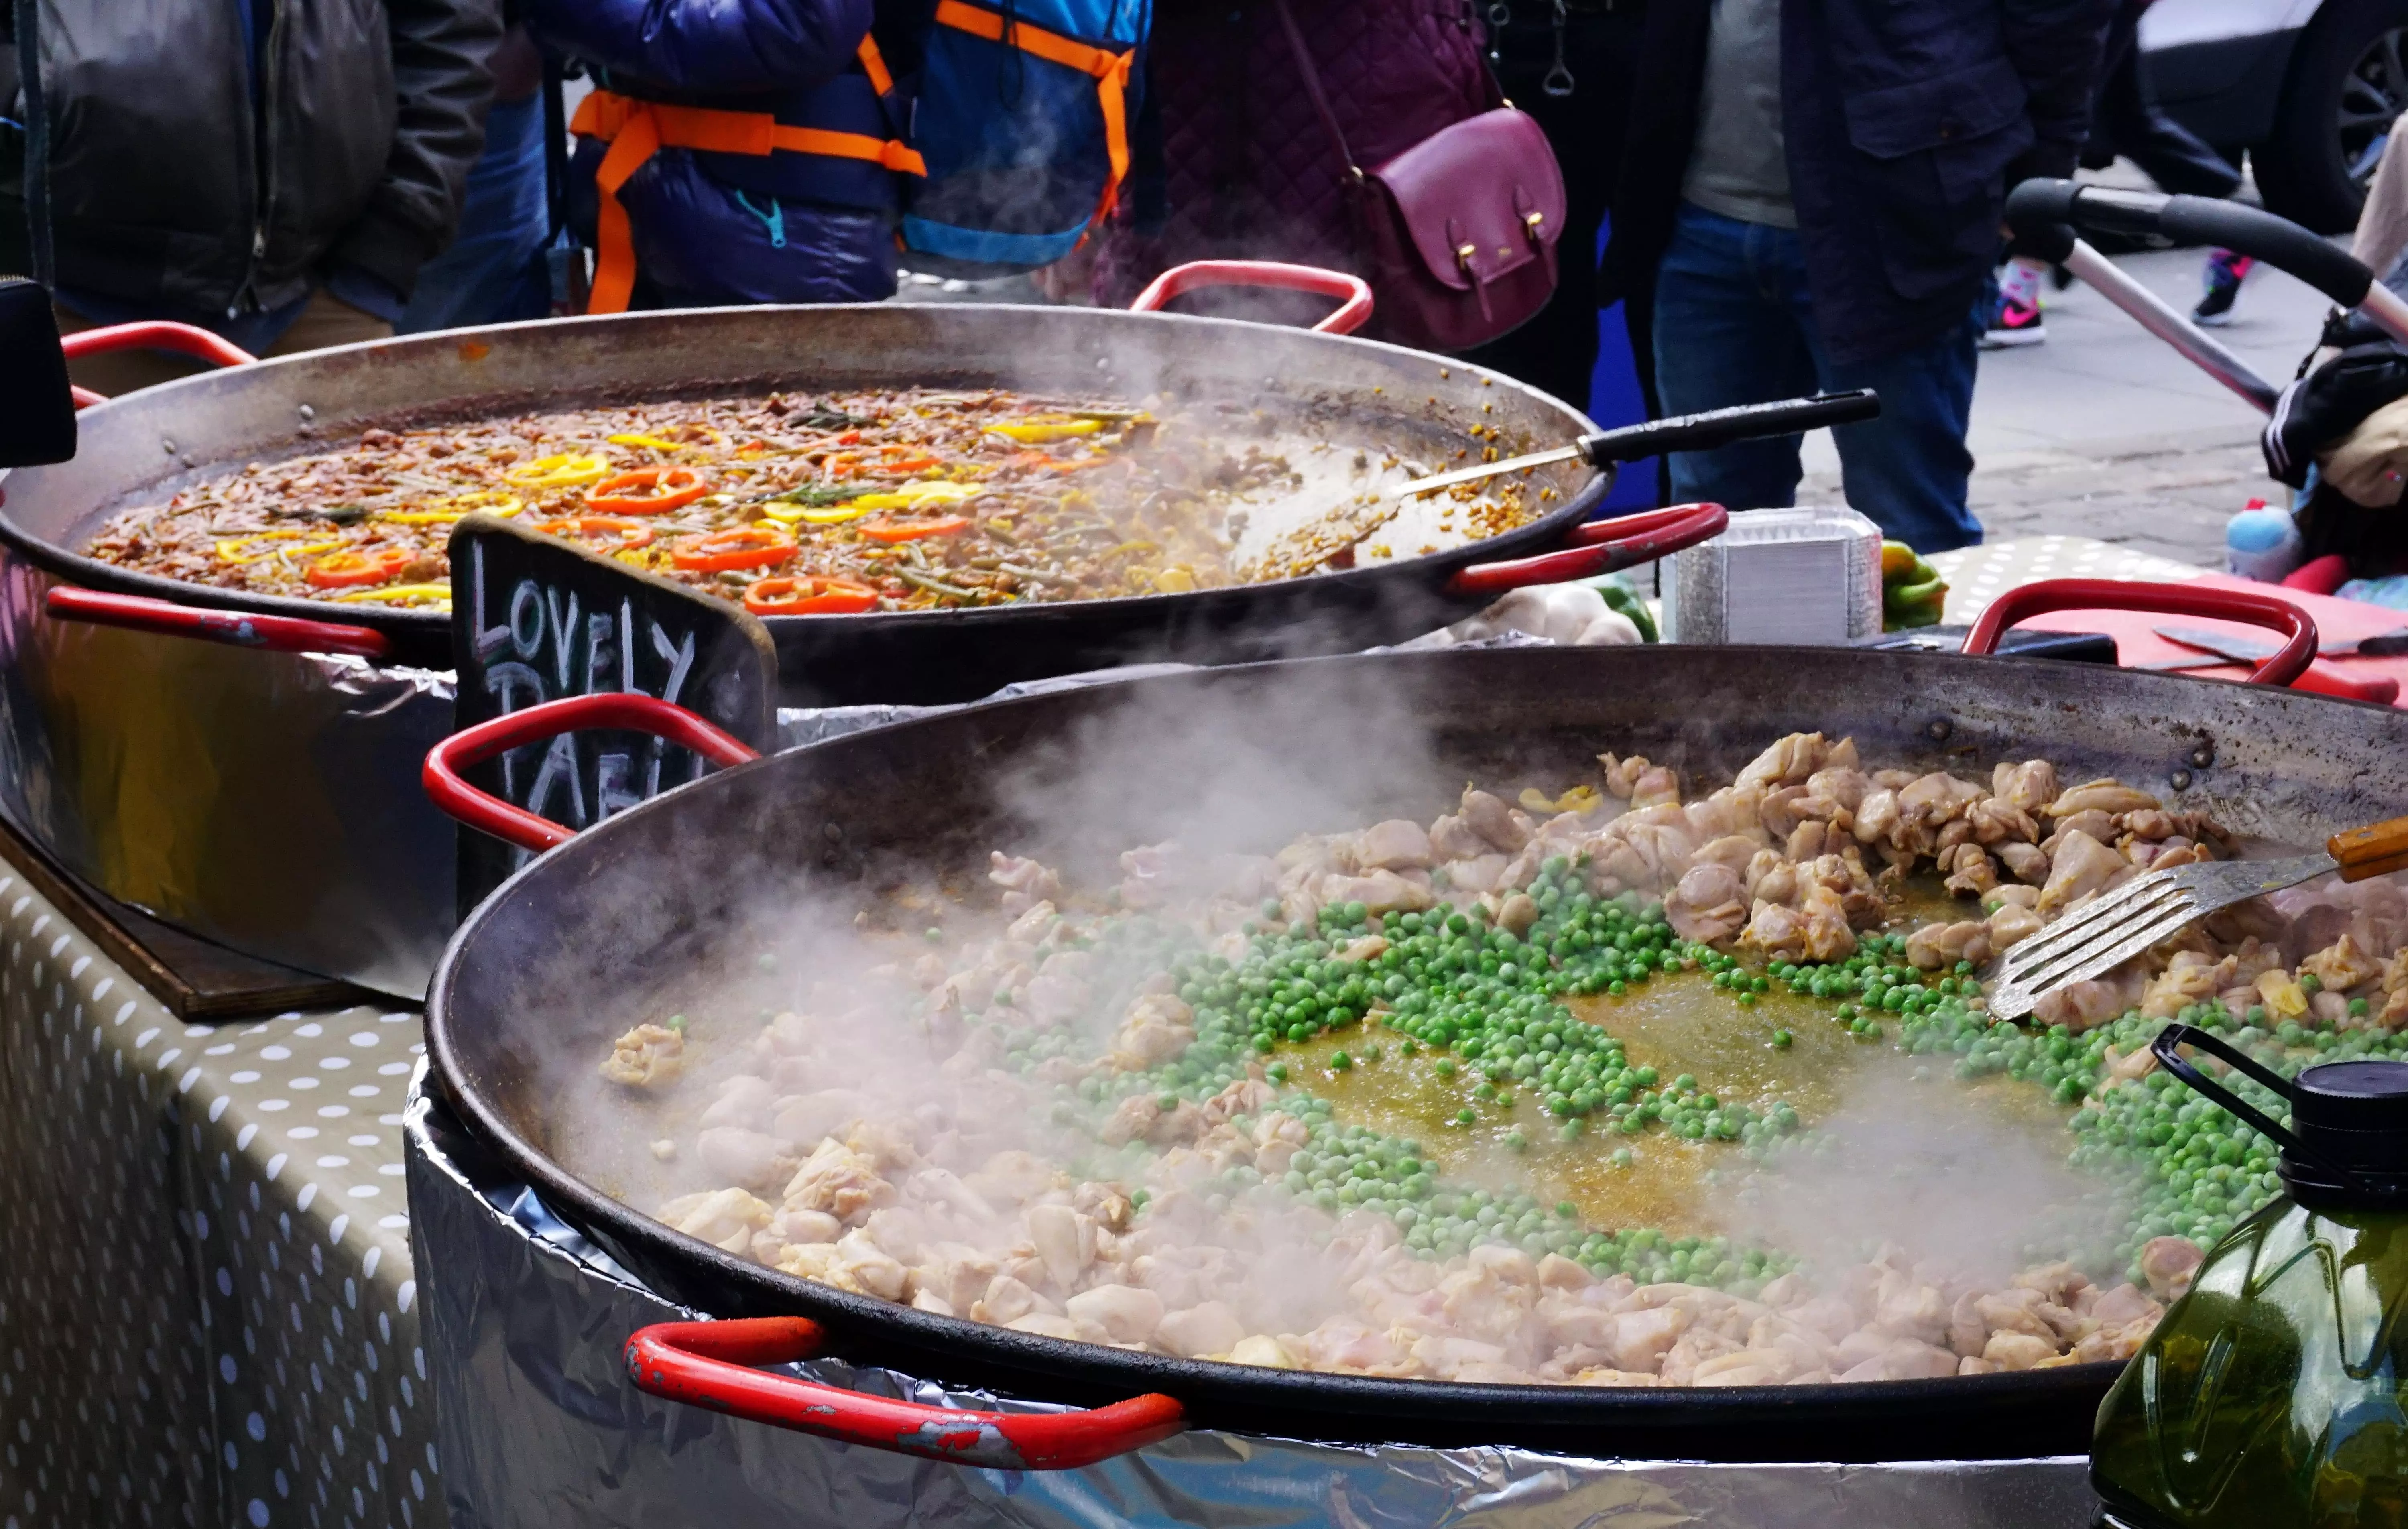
x=1312, y=88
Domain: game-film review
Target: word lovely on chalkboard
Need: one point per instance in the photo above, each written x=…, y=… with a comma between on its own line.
x=535, y=617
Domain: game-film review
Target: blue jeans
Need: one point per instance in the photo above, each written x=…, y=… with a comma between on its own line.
x=1734, y=325
x=494, y=271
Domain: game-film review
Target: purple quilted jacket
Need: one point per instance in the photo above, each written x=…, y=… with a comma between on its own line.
x=1248, y=170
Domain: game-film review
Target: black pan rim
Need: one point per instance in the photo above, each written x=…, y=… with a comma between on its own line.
x=1499, y=1414
x=427, y=630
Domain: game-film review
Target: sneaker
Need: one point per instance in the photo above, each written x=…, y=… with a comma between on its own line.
x=2224, y=275
x=2015, y=322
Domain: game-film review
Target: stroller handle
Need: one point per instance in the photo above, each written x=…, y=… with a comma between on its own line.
x=2044, y=215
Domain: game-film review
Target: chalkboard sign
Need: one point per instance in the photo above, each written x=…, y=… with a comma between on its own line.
x=535, y=617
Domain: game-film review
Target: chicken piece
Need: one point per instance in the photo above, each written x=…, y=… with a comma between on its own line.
x=1245, y=1097
x=1706, y=906
x=1903, y=1359
x=1997, y=820
x=725, y=1218
x=1493, y=820
x=750, y=1157
x=2018, y=1350
x=1906, y=1307
x=1064, y=1240
x=2028, y=861
x=1151, y=872
x=1789, y=761
x=1206, y=1331
x=1046, y=1325
x=742, y=1101
x=1007, y=1300
x=2098, y=825
x=956, y=1273
x=1128, y=1313
x=1937, y=947
x=1639, y=782
x=1936, y=798
x=2342, y=965
x=1453, y=838
x=840, y=1181
x=1971, y=873
x=2168, y=1265
x=2029, y=787
x=2124, y=1070
x=1158, y=1028
x=1364, y=948
x=1397, y=844
x=1775, y=931
x=1810, y=840
x=1346, y=1345
x=1824, y=928
x=1262, y=1351
x=2081, y=866
x=2126, y=1303
x=2106, y=795
x=806, y=1119
x=1877, y=816
x=1639, y=1340
x=2189, y=978
x=1746, y=1368
x=1696, y=1346
x=2011, y=924
x=2081, y=1005
x=1772, y=880
x=647, y=1056
x=1025, y=882
x=1480, y=873
x=870, y=1268
x=2394, y=1009
x=1517, y=913
x=1381, y=891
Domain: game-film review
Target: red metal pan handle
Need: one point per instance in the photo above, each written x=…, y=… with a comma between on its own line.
x=1353, y=291
x=2288, y=663
x=490, y=814
x=275, y=633
x=1598, y=547
x=706, y=1364
x=151, y=335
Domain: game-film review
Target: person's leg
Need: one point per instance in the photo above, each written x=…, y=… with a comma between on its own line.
x=1907, y=470
x=1723, y=336
x=328, y=321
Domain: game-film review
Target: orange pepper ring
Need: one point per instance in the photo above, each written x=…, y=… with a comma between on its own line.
x=632, y=533
x=349, y=569
x=738, y=547
x=676, y=487
x=812, y=594
x=899, y=531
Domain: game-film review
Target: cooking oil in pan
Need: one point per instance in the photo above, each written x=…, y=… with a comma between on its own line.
x=1787, y=1048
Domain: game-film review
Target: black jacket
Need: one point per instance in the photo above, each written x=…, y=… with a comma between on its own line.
x=168, y=191
x=1904, y=121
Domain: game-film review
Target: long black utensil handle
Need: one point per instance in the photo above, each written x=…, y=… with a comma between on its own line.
x=1721, y=427
x=2035, y=208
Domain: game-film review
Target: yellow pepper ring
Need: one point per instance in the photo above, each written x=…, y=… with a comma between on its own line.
x=558, y=472
x=231, y=551
x=1037, y=431
x=409, y=594
x=454, y=507
x=650, y=443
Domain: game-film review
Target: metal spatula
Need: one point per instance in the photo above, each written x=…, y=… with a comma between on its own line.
x=2111, y=929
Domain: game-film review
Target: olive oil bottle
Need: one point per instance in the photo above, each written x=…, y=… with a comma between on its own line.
x=2275, y=1394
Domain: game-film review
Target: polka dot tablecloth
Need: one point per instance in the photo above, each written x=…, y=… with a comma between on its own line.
x=1978, y=575
x=207, y=1307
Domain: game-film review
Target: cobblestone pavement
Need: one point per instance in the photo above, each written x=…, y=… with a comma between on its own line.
x=2102, y=431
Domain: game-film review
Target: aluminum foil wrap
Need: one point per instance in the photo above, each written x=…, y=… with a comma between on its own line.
x=267, y=801
x=540, y=1429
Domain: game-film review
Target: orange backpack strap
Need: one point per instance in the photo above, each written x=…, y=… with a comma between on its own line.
x=1110, y=71
x=636, y=129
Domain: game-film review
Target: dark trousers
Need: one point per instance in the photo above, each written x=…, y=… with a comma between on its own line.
x=1557, y=350
x=2127, y=120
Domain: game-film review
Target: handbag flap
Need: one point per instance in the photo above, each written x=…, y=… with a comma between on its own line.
x=1481, y=197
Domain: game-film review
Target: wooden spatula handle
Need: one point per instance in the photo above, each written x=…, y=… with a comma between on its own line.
x=2371, y=852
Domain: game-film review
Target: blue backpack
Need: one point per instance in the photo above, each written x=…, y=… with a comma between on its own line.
x=1023, y=115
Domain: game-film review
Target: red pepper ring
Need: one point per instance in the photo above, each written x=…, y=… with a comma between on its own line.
x=631, y=534
x=895, y=530
x=738, y=547
x=811, y=596
x=348, y=570
x=647, y=491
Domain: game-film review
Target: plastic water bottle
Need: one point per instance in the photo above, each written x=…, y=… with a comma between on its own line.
x=2260, y=543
